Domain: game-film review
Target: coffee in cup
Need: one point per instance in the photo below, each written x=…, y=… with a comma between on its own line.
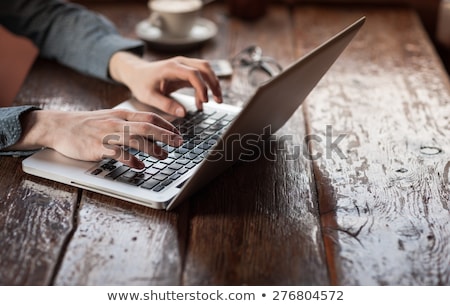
x=175, y=18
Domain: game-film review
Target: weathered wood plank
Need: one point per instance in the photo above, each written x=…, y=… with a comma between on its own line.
x=384, y=204
x=36, y=220
x=257, y=224
x=118, y=243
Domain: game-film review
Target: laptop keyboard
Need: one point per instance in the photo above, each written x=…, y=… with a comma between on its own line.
x=200, y=131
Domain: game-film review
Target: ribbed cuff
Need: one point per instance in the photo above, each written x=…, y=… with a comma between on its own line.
x=10, y=126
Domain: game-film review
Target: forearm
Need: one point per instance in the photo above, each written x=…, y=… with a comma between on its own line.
x=123, y=66
x=69, y=33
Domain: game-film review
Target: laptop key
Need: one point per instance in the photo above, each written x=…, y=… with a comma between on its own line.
x=147, y=163
x=133, y=177
x=197, y=160
x=188, y=136
x=142, y=156
x=190, y=165
x=152, y=171
x=182, y=161
x=175, y=155
x=159, y=165
x=169, y=148
x=168, y=171
x=217, y=116
x=189, y=145
x=182, y=150
x=108, y=167
x=198, y=151
x=152, y=159
x=182, y=171
x=160, y=177
x=205, y=146
x=209, y=121
x=97, y=171
x=175, y=166
x=175, y=176
x=133, y=181
x=168, y=160
x=116, y=172
x=150, y=184
x=197, y=141
x=129, y=174
x=213, y=139
x=191, y=155
x=167, y=182
x=208, y=112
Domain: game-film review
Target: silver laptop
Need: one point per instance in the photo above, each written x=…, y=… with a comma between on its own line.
x=209, y=137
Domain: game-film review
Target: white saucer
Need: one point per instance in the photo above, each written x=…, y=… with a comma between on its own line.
x=202, y=31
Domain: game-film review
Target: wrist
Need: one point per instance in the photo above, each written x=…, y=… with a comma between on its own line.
x=37, y=130
x=121, y=66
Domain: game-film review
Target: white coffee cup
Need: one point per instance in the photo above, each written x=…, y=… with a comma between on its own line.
x=175, y=18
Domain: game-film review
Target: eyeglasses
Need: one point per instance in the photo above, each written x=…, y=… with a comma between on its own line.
x=260, y=68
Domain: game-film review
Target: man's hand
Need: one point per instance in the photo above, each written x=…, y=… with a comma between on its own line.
x=152, y=82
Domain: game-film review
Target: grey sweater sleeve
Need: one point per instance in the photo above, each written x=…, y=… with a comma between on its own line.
x=11, y=129
x=68, y=33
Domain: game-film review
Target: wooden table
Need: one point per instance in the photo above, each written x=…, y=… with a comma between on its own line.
x=375, y=214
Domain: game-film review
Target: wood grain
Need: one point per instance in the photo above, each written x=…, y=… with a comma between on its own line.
x=118, y=243
x=36, y=221
x=374, y=213
x=257, y=224
x=384, y=205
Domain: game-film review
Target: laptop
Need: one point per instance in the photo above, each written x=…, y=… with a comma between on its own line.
x=210, y=137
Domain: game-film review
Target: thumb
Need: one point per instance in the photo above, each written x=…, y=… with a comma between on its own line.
x=166, y=104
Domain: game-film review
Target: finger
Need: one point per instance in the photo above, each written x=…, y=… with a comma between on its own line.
x=145, y=145
x=194, y=77
x=144, y=124
x=118, y=153
x=170, y=86
x=207, y=74
x=166, y=104
x=136, y=130
x=201, y=91
x=151, y=118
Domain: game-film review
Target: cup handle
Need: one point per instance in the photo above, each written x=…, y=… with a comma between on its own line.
x=155, y=20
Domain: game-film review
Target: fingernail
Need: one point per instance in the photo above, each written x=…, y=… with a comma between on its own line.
x=140, y=165
x=177, y=139
x=163, y=154
x=179, y=112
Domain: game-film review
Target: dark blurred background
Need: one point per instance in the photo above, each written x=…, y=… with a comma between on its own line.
x=427, y=10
